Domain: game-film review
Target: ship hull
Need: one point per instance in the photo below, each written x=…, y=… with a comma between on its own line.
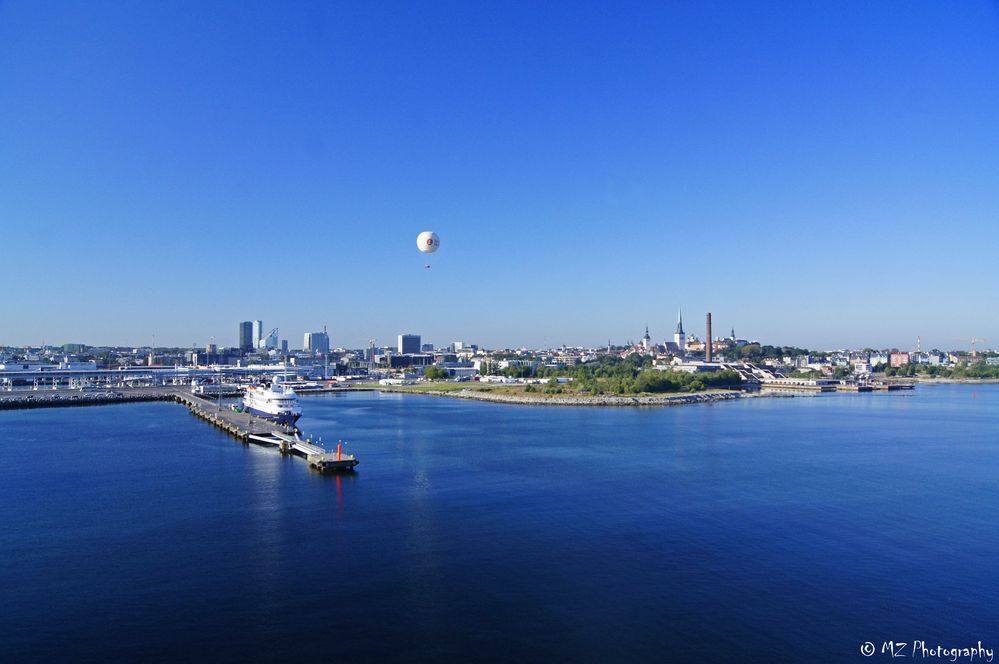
x=282, y=418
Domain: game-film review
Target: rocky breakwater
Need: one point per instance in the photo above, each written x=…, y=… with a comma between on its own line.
x=57, y=399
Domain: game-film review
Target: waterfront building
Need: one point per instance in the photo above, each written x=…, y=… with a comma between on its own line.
x=692, y=366
x=463, y=370
x=877, y=358
x=409, y=344
x=898, y=359
x=861, y=367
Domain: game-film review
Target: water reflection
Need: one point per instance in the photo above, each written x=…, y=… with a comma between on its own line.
x=267, y=531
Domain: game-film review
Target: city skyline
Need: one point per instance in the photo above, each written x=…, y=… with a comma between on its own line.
x=692, y=330
x=818, y=176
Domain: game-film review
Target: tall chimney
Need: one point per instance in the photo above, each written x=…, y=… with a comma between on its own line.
x=707, y=345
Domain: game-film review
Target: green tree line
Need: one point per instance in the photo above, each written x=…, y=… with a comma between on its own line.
x=634, y=375
x=976, y=370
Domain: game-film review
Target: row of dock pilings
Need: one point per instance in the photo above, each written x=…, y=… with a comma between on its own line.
x=214, y=417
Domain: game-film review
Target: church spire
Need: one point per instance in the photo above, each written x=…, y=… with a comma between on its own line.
x=679, y=321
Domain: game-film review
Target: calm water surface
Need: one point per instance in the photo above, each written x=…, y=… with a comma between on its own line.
x=787, y=529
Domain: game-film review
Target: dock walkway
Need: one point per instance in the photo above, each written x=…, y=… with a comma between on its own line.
x=316, y=455
x=240, y=425
x=250, y=428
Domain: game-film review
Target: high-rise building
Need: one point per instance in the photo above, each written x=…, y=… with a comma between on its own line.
x=246, y=341
x=679, y=337
x=316, y=343
x=258, y=332
x=284, y=345
x=409, y=343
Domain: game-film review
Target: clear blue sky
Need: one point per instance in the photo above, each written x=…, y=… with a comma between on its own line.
x=817, y=174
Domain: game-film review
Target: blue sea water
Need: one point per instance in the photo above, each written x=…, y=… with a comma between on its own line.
x=771, y=529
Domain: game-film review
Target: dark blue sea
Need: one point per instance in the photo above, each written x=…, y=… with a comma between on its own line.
x=762, y=530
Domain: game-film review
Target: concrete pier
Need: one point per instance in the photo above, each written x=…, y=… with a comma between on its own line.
x=252, y=429
x=240, y=425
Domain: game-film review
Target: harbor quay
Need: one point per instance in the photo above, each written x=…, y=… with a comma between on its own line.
x=243, y=426
x=60, y=397
x=249, y=428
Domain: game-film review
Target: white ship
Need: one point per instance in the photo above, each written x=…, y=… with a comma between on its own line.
x=277, y=403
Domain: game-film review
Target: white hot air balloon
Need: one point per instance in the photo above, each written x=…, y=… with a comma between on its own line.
x=428, y=243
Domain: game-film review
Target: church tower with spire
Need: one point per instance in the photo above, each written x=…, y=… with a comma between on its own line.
x=679, y=337
x=646, y=340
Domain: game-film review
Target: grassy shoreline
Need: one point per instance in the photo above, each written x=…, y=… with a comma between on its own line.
x=967, y=381
x=517, y=395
